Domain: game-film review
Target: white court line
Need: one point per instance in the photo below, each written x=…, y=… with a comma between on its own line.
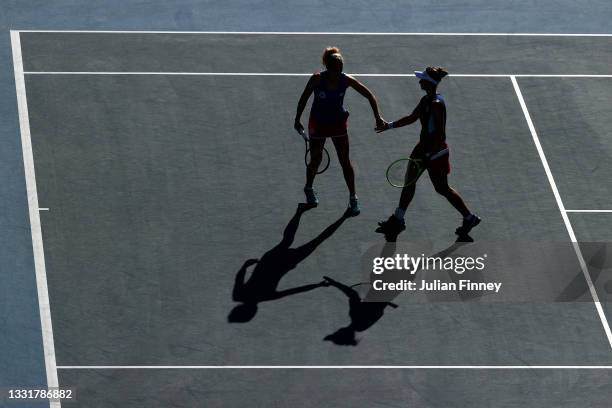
x=325, y=33
x=37, y=241
x=288, y=74
x=566, y=221
x=305, y=74
x=588, y=211
x=512, y=76
x=292, y=367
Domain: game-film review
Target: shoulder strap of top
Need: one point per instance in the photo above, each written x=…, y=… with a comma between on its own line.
x=344, y=80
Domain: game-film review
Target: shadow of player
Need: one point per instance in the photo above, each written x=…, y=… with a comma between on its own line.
x=363, y=313
x=272, y=267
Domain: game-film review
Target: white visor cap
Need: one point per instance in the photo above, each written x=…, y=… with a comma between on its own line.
x=424, y=75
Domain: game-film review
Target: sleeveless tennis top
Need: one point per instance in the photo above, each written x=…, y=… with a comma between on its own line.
x=428, y=126
x=328, y=104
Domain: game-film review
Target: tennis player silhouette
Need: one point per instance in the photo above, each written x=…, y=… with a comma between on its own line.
x=273, y=266
x=329, y=119
x=432, y=149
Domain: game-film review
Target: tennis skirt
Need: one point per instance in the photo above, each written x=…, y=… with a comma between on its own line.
x=440, y=164
x=324, y=130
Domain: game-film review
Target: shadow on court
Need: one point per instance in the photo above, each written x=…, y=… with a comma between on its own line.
x=363, y=314
x=268, y=271
x=599, y=268
x=273, y=266
x=365, y=311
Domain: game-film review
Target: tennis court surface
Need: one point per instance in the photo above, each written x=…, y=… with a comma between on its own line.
x=164, y=162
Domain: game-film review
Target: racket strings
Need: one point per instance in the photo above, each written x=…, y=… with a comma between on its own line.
x=325, y=160
x=404, y=172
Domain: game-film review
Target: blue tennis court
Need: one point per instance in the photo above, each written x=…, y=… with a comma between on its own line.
x=164, y=182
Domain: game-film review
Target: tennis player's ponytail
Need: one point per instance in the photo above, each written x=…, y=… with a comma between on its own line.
x=332, y=57
x=437, y=73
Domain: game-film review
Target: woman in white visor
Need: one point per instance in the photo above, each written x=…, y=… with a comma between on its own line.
x=433, y=150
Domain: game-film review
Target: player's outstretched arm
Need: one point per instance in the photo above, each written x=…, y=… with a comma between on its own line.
x=347, y=290
x=366, y=93
x=406, y=120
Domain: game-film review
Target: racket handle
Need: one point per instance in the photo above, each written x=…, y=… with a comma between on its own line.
x=304, y=135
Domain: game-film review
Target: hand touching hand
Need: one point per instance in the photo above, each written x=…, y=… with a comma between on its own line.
x=381, y=127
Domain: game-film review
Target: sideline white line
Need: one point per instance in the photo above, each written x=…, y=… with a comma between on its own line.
x=292, y=367
x=325, y=33
x=588, y=211
x=37, y=241
x=566, y=221
x=305, y=74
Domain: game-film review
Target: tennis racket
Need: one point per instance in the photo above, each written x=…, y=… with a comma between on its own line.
x=405, y=172
x=325, y=155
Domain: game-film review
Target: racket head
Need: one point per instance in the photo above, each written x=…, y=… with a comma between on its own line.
x=324, y=159
x=404, y=172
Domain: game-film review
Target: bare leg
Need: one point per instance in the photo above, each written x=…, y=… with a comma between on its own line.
x=439, y=180
x=406, y=196
x=395, y=224
x=408, y=191
x=342, y=150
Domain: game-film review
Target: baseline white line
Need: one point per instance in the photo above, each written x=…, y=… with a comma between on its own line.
x=229, y=367
x=326, y=33
x=304, y=74
x=37, y=241
x=561, y=75
x=588, y=211
x=566, y=221
x=168, y=73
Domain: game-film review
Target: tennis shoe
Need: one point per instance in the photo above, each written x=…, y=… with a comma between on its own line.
x=353, y=207
x=392, y=226
x=468, y=224
x=311, y=196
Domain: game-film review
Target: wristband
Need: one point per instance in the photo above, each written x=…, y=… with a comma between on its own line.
x=391, y=125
